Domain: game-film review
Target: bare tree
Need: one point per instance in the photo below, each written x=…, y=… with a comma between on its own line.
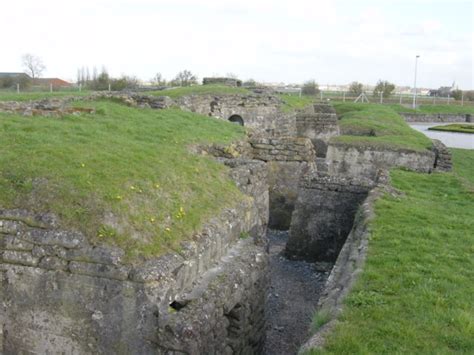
x=33, y=65
x=185, y=78
x=158, y=80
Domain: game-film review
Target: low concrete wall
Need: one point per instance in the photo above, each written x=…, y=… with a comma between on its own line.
x=348, y=266
x=324, y=215
x=367, y=161
x=287, y=160
x=439, y=117
x=318, y=123
x=260, y=112
x=61, y=294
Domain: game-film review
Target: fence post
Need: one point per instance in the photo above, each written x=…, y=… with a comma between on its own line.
x=109, y=87
x=462, y=99
x=17, y=88
x=343, y=96
x=448, y=99
x=80, y=87
x=50, y=87
x=381, y=97
x=400, y=97
x=321, y=95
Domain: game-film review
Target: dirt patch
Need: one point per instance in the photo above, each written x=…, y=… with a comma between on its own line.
x=295, y=287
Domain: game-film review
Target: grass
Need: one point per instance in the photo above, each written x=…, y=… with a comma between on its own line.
x=295, y=102
x=415, y=293
x=435, y=109
x=200, y=90
x=39, y=95
x=377, y=126
x=455, y=127
x=122, y=177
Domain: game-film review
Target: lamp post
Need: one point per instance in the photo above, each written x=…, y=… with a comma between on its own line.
x=414, y=91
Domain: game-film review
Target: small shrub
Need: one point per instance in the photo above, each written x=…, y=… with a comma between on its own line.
x=310, y=88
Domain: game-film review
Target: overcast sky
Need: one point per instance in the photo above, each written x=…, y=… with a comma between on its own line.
x=334, y=42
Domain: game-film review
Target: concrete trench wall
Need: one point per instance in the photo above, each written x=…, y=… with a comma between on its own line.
x=367, y=161
x=61, y=294
x=260, y=112
x=318, y=123
x=347, y=268
x=324, y=215
x=287, y=160
x=440, y=117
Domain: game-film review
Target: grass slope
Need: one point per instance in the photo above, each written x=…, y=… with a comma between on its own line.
x=123, y=177
x=377, y=126
x=39, y=95
x=455, y=127
x=295, y=102
x=200, y=90
x=435, y=109
x=415, y=293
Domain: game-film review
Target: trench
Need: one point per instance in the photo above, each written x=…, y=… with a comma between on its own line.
x=292, y=296
x=301, y=258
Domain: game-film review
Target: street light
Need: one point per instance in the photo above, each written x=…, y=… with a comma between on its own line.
x=414, y=93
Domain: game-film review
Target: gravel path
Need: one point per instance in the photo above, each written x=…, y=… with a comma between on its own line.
x=292, y=296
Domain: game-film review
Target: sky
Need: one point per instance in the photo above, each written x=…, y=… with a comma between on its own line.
x=332, y=42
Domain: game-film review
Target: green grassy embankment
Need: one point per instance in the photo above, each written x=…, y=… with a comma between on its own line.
x=435, y=109
x=415, y=293
x=377, y=126
x=123, y=176
x=455, y=127
x=199, y=90
x=295, y=102
x=39, y=95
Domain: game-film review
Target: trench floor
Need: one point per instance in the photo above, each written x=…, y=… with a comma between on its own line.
x=294, y=291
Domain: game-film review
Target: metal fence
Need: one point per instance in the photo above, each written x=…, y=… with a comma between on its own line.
x=398, y=98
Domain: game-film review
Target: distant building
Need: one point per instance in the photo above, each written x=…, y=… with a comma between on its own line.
x=443, y=91
x=47, y=82
x=11, y=80
x=14, y=75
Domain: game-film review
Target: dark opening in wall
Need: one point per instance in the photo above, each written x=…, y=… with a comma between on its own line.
x=236, y=119
x=236, y=318
x=178, y=305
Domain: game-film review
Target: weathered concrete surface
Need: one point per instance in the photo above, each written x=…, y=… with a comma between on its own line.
x=323, y=215
x=443, y=158
x=224, y=312
x=260, y=112
x=348, y=266
x=61, y=294
x=367, y=161
x=318, y=123
x=439, y=117
x=287, y=160
x=47, y=108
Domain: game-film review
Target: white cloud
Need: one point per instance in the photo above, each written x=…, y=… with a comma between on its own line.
x=332, y=41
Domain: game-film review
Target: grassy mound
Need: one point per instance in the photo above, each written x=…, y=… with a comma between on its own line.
x=377, y=126
x=415, y=293
x=199, y=90
x=39, y=95
x=295, y=102
x=435, y=109
x=455, y=127
x=123, y=176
